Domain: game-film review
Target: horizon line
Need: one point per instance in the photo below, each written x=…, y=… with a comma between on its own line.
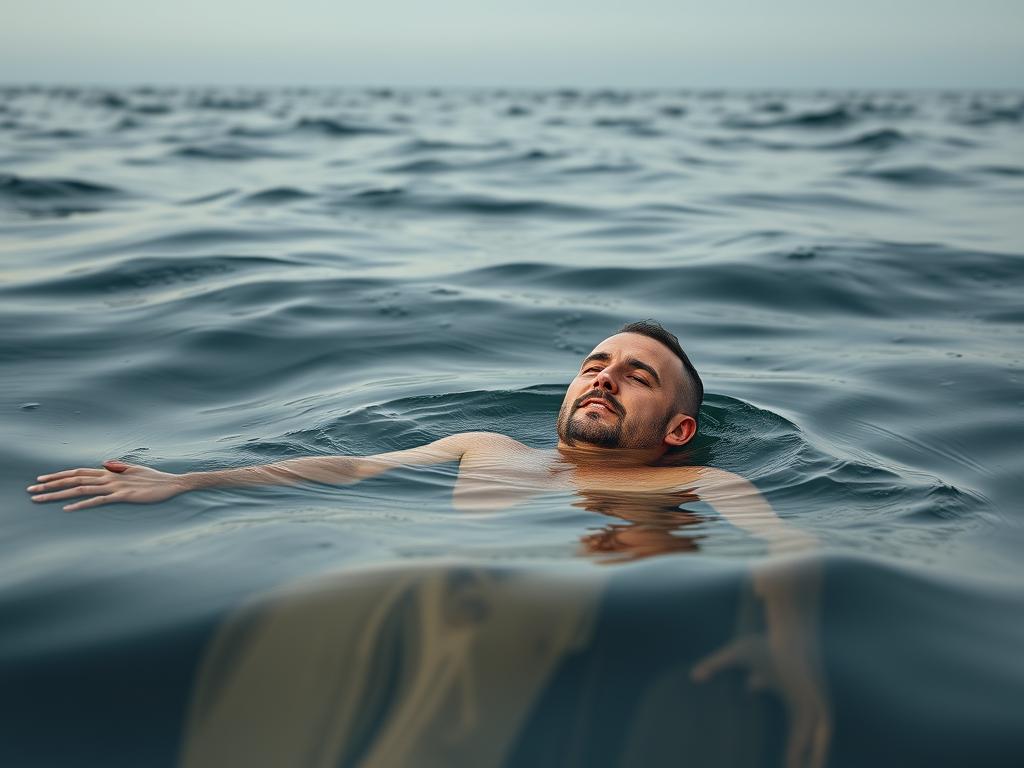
x=502, y=87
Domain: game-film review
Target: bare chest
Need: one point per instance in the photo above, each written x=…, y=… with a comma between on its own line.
x=497, y=480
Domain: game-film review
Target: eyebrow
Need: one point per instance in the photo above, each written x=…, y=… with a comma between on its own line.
x=633, y=362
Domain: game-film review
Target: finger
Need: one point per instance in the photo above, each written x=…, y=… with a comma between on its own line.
x=80, y=472
x=93, y=502
x=70, y=493
x=67, y=482
x=799, y=750
x=114, y=465
x=720, y=659
x=796, y=746
x=819, y=747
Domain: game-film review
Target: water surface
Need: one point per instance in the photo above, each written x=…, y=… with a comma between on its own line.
x=211, y=278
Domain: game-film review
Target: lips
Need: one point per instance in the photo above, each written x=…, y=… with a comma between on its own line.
x=606, y=402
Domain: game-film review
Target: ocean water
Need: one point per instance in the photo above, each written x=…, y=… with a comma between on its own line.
x=207, y=278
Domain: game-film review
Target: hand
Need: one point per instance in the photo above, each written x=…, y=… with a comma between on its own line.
x=116, y=482
x=792, y=677
x=784, y=657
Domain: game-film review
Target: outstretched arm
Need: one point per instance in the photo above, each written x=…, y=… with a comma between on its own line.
x=120, y=482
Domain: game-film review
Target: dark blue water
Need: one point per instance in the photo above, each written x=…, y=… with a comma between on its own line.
x=196, y=279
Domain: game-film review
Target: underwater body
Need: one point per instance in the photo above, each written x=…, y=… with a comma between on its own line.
x=198, y=278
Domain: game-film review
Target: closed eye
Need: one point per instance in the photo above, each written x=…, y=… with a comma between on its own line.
x=641, y=379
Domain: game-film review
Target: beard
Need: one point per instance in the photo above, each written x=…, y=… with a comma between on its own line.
x=576, y=427
x=581, y=428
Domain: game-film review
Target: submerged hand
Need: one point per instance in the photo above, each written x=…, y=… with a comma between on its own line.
x=116, y=482
x=790, y=675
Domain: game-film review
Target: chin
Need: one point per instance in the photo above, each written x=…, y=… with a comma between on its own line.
x=587, y=429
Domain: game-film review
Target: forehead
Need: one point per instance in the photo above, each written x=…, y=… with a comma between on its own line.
x=645, y=348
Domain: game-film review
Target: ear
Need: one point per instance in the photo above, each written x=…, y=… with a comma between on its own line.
x=682, y=429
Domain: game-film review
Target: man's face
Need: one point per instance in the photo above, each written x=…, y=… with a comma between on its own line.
x=624, y=396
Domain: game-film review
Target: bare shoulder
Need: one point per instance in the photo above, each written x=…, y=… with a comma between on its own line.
x=452, y=448
x=489, y=443
x=698, y=479
x=713, y=477
x=486, y=439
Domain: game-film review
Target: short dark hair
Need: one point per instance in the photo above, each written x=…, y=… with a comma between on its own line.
x=692, y=394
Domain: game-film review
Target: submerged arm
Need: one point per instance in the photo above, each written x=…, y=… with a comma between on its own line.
x=786, y=655
x=738, y=501
x=120, y=482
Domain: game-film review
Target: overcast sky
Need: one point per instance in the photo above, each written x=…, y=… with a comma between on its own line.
x=548, y=43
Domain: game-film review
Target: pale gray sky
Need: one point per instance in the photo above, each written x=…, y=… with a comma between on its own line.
x=545, y=43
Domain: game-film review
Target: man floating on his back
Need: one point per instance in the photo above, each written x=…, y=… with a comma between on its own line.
x=635, y=399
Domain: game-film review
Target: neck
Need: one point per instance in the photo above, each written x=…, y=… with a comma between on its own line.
x=595, y=456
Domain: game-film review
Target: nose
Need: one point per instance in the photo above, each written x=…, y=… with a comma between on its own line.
x=604, y=380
